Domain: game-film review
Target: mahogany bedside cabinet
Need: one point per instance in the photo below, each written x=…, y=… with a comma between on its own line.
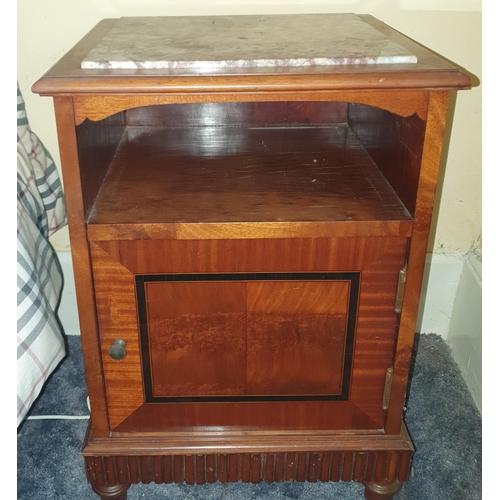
x=249, y=202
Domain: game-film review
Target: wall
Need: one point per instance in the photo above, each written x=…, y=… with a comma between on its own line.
x=453, y=28
x=49, y=28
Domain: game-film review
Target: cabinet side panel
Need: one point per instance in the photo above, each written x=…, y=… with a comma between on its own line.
x=395, y=143
x=97, y=144
x=81, y=262
x=431, y=159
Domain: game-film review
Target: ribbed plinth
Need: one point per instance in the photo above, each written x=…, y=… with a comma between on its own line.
x=384, y=466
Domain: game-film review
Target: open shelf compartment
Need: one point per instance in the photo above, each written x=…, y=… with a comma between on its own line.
x=231, y=174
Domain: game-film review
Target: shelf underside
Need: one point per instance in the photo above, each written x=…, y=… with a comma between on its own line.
x=316, y=177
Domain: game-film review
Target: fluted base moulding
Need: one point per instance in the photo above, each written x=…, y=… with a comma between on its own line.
x=381, y=462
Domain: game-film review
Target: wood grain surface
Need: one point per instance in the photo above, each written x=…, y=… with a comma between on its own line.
x=379, y=261
x=218, y=174
x=246, y=338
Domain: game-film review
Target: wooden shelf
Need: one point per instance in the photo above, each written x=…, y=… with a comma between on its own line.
x=252, y=180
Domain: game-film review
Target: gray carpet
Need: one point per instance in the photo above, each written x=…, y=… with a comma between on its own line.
x=442, y=419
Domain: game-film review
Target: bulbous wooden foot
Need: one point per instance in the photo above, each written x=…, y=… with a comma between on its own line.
x=116, y=492
x=386, y=491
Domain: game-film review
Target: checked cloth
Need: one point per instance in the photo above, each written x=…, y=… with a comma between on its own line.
x=40, y=213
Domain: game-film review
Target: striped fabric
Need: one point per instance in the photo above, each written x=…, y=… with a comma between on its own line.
x=40, y=212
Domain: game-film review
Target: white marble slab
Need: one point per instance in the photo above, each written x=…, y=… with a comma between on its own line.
x=219, y=42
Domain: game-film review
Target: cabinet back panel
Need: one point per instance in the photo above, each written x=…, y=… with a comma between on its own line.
x=238, y=114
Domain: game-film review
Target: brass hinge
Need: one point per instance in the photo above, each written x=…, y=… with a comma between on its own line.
x=387, y=389
x=401, y=290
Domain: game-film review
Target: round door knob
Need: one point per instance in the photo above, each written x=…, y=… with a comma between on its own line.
x=117, y=351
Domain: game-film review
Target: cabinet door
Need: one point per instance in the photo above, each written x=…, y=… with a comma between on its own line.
x=257, y=334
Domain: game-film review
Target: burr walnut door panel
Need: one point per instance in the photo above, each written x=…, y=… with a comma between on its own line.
x=258, y=334
x=246, y=337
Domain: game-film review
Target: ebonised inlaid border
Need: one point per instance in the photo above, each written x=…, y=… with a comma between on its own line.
x=352, y=277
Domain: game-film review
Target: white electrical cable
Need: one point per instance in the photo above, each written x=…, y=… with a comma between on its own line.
x=61, y=417
x=58, y=417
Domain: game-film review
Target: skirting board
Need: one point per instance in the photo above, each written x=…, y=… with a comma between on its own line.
x=452, y=308
x=465, y=335
x=441, y=279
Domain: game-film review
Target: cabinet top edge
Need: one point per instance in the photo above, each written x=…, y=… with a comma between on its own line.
x=431, y=71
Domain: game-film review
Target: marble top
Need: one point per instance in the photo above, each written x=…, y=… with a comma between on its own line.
x=219, y=42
